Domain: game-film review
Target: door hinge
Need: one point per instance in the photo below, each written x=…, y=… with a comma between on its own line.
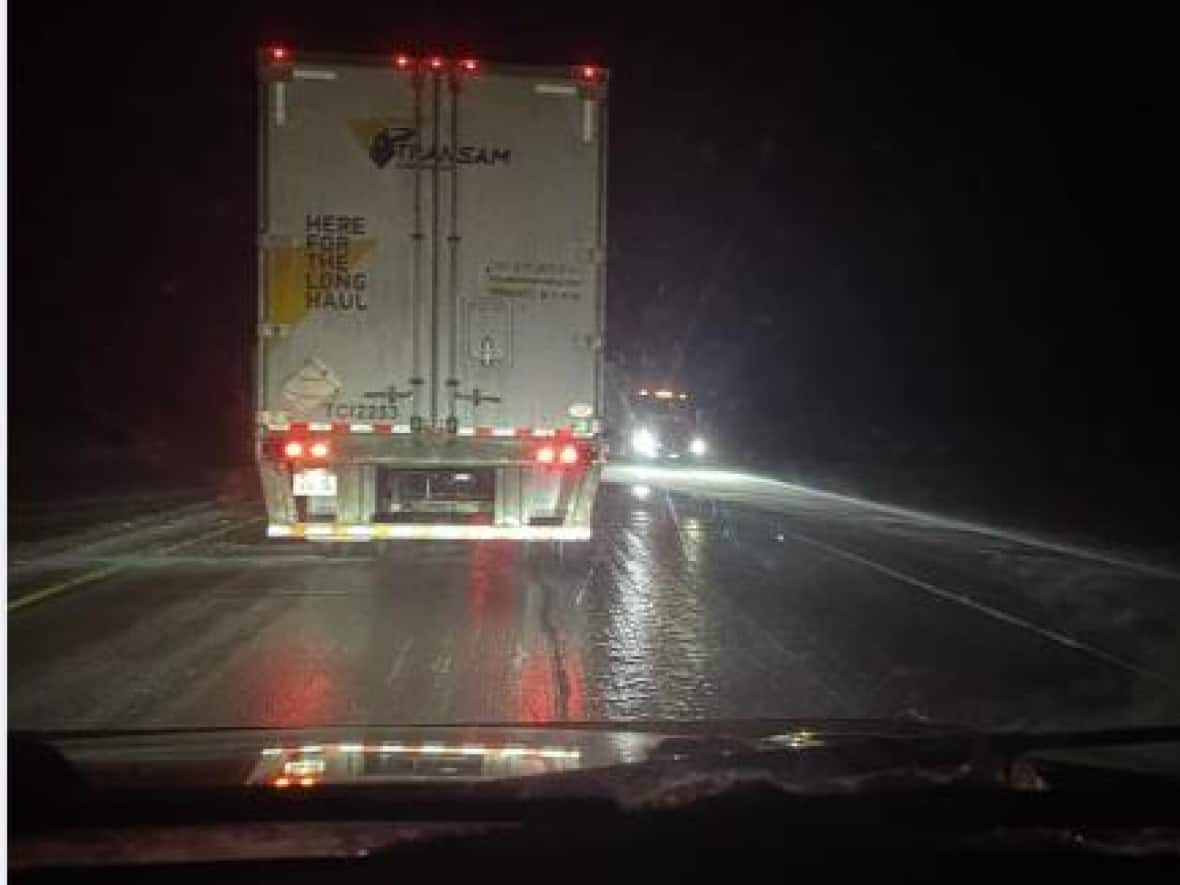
x=278, y=241
x=273, y=330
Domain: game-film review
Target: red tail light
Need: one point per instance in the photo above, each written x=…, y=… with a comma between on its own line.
x=569, y=455
x=279, y=53
x=319, y=449
x=402, y=60
x=436, y=62
x=545, y=455
x=470, y=65
x=588, y=72
x=293, y=449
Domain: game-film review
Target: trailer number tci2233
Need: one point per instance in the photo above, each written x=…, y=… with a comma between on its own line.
x=362, y=411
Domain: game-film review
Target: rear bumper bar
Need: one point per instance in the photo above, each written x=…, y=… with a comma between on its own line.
x=321, y=531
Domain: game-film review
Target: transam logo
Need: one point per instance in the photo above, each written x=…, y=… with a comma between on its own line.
x=386, y=143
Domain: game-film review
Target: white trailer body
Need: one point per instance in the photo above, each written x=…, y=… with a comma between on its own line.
x=431, y=262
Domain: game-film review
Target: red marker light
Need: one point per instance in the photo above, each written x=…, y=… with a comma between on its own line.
x=293, y=449
x=469, y=64
x=436, y=62
x=545, y=455
x=402, y=60
x=319, y=449
x=278, y=53
x=569, y=455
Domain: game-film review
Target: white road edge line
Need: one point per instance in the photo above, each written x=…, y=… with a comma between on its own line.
x=958, y=598
x=734, y=495
x=98, y=574
x=980, y=528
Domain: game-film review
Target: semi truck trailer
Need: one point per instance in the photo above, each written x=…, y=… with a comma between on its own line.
x=431, y=295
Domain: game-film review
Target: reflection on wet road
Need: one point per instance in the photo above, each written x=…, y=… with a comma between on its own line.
x=705, y=595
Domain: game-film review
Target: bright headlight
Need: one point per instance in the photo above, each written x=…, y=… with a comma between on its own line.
x=697, y=446
x=644, y=442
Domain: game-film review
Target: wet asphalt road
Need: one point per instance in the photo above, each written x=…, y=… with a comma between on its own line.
x=715, y=596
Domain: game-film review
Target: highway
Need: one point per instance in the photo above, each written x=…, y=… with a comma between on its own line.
x=705, y=595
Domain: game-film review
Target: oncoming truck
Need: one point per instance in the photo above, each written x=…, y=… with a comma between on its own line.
x=431, y=267
x=664, y=424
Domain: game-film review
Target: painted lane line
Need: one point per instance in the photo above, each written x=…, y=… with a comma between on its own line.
x=98, y=574
x=993, y=613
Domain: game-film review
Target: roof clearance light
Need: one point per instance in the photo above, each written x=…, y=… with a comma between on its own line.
x=569, y=455
x=293, y=449
x=402, y=60
x=319, y=449
x=545, y=455
x=469, y=64
x=279, y=53
x=664, y=394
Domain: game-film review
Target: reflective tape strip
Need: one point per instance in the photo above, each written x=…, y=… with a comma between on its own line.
x=388, y=427
x=382, y=532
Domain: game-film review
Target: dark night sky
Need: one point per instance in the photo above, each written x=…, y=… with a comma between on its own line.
x=839, y=222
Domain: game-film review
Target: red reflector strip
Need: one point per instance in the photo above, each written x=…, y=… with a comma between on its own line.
x=383, y=427
x=298, y=426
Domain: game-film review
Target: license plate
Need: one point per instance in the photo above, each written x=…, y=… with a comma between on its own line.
x=321, y=483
